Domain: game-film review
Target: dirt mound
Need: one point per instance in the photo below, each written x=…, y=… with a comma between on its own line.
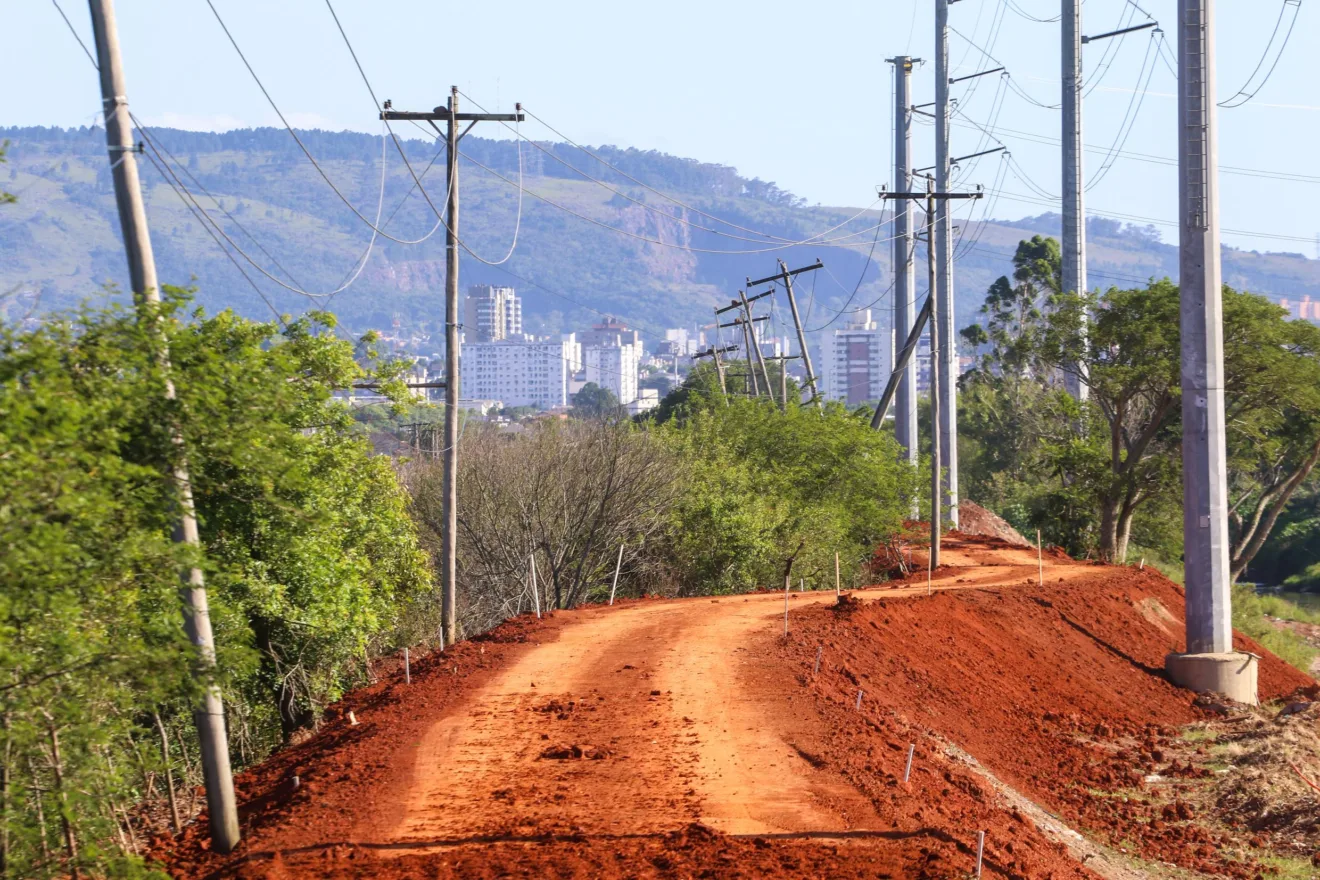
x=973, y=519
x=1057, y=690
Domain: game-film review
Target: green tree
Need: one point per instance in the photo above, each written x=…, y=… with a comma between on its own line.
x=1127, y=452
x=591, y=401
x=312, y=560
x=5, y=197
x=772, y=492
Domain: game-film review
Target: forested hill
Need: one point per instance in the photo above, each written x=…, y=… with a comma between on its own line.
x=60, y=242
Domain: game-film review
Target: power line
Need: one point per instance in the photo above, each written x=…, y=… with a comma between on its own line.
x=1233, y=100
x=1130, y=115
x=815, y=240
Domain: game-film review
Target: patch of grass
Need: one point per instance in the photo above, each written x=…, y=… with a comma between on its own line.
x=1249, y=612
x=1276, y=606
x=1199, y=734
x=1289, y=867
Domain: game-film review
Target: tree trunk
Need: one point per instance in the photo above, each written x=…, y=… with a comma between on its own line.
x=57, y=768
x=169, y=773
x=6, y=786
x=1250, y=540
x=1108, y=530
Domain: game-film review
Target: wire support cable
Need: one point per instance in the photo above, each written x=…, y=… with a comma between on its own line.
x=764, y=236
x=1129, y=122
x=1247, y=92
x=359, y=265
x=814, y=240
x=663, y=195
x=1029, y=17
x=1018, y=90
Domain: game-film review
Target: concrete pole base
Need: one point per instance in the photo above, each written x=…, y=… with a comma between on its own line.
x=1231, y=674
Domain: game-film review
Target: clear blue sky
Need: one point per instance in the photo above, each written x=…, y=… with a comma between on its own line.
x=796, y=93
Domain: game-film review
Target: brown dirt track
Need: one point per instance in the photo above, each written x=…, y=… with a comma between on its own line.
x=688, y=738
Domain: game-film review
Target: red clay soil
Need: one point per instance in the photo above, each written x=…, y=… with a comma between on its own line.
x=1058, y=691
x=689, y=738
x=973, y=519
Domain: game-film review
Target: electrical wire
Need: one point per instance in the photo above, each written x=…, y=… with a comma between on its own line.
x=765, y=236
x=1018, y=90
x=662, y=195
x=361, y=263
x=1110, y=53
x=196, y=212
x=1233, y=100
x=1130, y=116
x=1029, y=17
x=818, y=241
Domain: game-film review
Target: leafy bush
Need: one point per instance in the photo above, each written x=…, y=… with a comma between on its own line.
x=311, y=560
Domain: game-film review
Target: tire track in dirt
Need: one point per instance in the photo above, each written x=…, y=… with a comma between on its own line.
x=643, y=718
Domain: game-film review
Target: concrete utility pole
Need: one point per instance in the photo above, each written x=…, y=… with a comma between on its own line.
x=1074, y=218
x=756, y=344
x=209, y=717
x=1210, y=663
x=449, y=544
x=786, y=276
x=943, y=234
x=936, y=452
x=905, y=287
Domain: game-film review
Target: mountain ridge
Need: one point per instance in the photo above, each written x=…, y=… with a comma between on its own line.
x=663, y=266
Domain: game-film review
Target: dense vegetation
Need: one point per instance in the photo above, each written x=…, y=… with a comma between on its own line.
x=312, y=561
x=711, y=495
x=1105, y=474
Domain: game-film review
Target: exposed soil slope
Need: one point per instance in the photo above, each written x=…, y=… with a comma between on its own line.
x=690, y=738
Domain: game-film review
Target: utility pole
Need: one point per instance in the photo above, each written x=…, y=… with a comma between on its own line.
x=209, y=717
x=714, y=352
x=947, y=363
x=1074, y=218
x=449, y=549
x=756, y=344
x=936, y=406
x=786, y=276
x=748, y=325
x=914, y=335
x=905, y=417
x=928, y=312
x=1209, y=663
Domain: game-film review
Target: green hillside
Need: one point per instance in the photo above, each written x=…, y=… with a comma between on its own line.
x=60, y=241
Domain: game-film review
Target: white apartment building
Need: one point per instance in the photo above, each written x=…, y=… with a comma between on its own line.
x=492, y=313
x=856, y=361
x=519, y=373
x=612, y=355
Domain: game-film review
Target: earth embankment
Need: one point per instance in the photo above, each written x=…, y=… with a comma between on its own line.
x=692, y=738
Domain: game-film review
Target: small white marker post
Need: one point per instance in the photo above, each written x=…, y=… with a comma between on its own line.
x=1142, y=566
x=907, y=771
x=407, y=668
x=352, y=719
x=617, y=563
x=802, y=585
x=859, y=699
x=819, y=650
x=787, y=583
x=1040, y=561
x=536, y=594
x=980, y=851
x=930, y=558
x=836, y=574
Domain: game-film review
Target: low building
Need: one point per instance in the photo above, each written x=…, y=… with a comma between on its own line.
x=517, y=373
x=856, y=360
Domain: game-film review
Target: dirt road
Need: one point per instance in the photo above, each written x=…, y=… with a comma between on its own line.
x=645, y=718
x=689, y=738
